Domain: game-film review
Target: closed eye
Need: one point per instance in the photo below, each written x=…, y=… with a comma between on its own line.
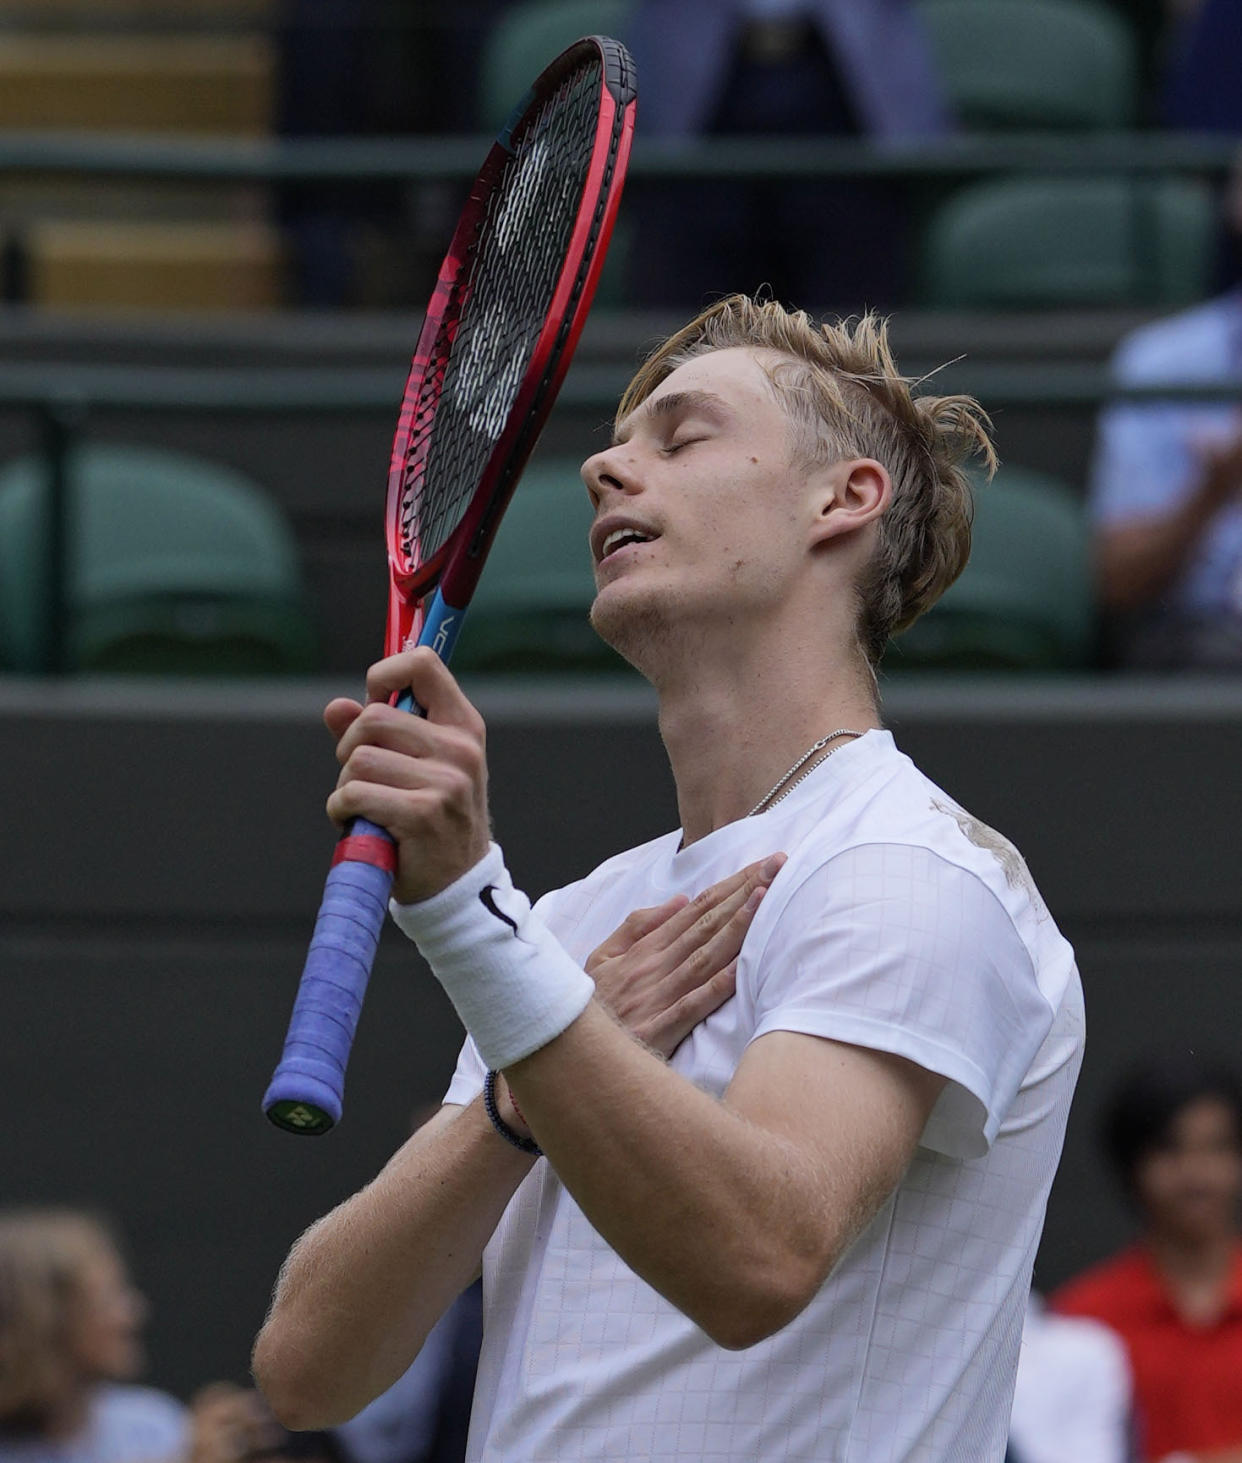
x=672, y=447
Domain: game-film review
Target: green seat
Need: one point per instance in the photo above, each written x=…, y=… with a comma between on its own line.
x=529, y=35
x=1024, y=243
x=1024, y=601
x=175, y=564
x=1033, y=64
x=529, y=612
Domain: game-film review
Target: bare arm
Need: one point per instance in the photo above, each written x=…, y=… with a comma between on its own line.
x=362, y=1288
x=734, y=1210
x=364, y=1285
x=1138, y=558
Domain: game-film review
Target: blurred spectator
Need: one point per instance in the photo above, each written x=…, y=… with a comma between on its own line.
x=1202, y=92
x=1166, y=487
x=425, y=1417
x=70, y=1347
x=845, y=68
x=1174, y=1133
x=1073, y=1398
x=355, y=68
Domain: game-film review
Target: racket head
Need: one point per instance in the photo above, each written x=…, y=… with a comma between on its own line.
x=508, y=307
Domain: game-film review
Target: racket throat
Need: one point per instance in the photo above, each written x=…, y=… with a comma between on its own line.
x=441, y=626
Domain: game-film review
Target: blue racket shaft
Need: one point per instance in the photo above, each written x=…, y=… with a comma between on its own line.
x=306, y=1094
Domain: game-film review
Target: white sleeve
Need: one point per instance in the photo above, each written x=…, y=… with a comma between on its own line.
x=1143, y=462
x=893, y=947
x=467, y=1081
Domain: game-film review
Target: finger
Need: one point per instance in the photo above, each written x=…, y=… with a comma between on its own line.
x=725, y=943
x=697, y=1005
x=402, y=811
x=636, y=926
x=380, y=765
x=699, y=960
x=339, y=715
x=700, y=921
x=422, y=672
x=383, y=726
x=715, y=905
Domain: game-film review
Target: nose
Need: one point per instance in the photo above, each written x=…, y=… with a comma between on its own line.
x=610, y=471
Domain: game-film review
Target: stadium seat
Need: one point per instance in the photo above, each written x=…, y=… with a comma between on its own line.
x=1024, y=601
x=530, y=610
x=174, y=565
x=1025, y=243
x=1030, y=64
x=529, y=35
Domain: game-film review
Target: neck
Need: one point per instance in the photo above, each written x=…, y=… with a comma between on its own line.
x=1192, y=1257
x=70, y=1414
x=733, y=724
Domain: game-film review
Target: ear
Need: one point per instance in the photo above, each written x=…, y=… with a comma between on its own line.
x=849, y=495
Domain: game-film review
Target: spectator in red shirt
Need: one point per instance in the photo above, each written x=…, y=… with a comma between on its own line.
x=1174, y=1132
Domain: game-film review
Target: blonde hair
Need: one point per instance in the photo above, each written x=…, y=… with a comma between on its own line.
x=44, y=1254
x=844, y=396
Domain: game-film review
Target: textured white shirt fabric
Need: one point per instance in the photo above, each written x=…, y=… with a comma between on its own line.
x=898, y=923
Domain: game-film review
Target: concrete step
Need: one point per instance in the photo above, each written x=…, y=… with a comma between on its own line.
x=140, y=265
x=138, y=83
x=162, y=15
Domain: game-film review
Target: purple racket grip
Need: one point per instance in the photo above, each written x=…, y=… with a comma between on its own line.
x=307, y=1090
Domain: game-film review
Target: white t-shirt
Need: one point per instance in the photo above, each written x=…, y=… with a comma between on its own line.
x=1074, y=1397
x=898, y=923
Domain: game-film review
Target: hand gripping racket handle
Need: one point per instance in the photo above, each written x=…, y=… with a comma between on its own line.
x=306, y=1093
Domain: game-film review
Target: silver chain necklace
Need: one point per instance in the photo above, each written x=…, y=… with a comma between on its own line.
x=770, y=799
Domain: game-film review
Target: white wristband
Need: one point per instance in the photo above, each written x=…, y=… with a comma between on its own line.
x=508, y=977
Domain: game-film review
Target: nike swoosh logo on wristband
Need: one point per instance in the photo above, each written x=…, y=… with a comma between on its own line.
x=487, y=899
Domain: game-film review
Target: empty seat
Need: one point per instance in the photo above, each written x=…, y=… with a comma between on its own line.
x=1022, y=243
x=173, y=564
x=1024, y=601
x=531, y=606
x=1024, y=64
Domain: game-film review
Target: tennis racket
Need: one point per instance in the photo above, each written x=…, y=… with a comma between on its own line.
x=508, y=307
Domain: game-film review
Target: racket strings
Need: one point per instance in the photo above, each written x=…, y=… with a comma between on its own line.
x=497, y=312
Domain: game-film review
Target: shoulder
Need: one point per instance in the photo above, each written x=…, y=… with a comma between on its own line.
x=1106, y=1291
x=1082, y=1346
x=139, y=1422
x=901, y=808
x=1192, y=343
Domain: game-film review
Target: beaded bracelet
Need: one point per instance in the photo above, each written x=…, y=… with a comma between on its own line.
x=527, y=1145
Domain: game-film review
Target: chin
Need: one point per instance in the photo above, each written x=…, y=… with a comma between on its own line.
x=635, y=626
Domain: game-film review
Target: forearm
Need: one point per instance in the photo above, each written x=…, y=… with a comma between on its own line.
x=728, y=1221
x=365, y=1284
x=1137, y=560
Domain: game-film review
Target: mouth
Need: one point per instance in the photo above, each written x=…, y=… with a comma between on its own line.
x=618, y=539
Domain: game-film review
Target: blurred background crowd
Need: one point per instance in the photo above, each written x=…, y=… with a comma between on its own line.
x=1064, y=166
x=218, y=222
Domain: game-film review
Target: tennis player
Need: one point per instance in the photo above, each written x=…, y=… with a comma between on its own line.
x=806, y=1231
